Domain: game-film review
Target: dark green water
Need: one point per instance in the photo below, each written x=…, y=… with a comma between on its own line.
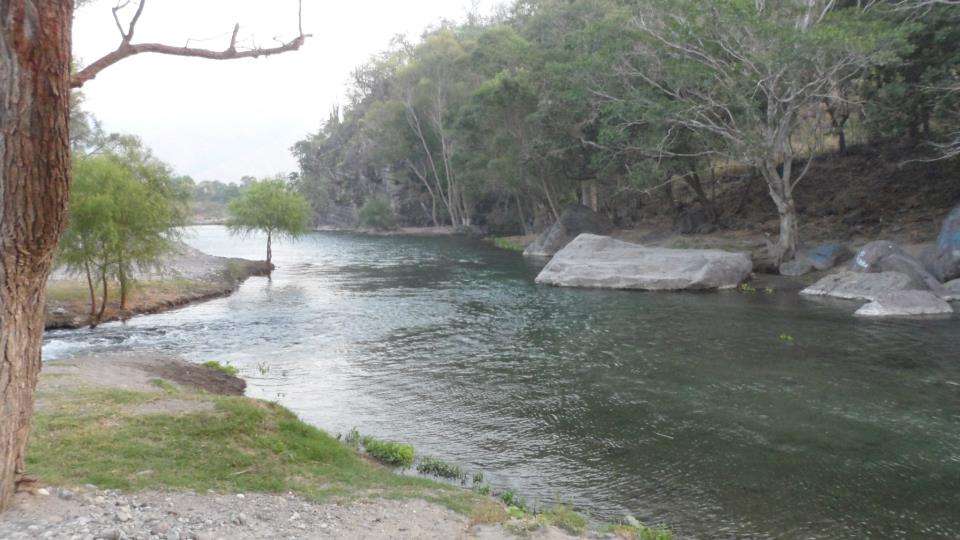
x=685, y=409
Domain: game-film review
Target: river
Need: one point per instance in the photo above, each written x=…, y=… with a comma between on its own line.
x=723, y=415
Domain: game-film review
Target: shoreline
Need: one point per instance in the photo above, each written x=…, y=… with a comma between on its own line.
x=188, y=276
x=121, y=442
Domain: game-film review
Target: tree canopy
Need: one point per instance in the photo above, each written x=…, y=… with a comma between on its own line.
x=269, y=206
x=501, y=122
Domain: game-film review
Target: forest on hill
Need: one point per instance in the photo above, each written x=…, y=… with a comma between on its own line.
x=499, y=122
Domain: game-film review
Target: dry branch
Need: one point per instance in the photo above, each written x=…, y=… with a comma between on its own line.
x=127, y=48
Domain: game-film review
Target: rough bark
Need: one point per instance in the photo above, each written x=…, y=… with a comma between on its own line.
x=34, y=187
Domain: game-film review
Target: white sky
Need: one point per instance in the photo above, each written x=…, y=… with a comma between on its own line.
x=221, y=120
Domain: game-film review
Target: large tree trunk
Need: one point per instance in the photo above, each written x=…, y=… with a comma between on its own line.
x=34, y=186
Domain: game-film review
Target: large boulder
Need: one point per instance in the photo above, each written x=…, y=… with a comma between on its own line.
x=905, y=304
x=859, y=286
x=885, y=256
x=944, y=260
x=602, y=262
x=574, y=221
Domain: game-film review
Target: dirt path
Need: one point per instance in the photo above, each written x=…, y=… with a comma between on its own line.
x=88, y=513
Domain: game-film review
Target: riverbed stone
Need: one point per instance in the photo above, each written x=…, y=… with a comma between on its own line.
x=575, y=220
x=859, y=286
x=943, y=261
x=796, y=267
x=886, y=256
x=602, y=262
x=827, y=255
x=906, y=304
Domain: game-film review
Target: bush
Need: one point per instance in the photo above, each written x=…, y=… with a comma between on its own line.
x=376, y=213
x=441, y=469
x=223, y=368
x=388, y=452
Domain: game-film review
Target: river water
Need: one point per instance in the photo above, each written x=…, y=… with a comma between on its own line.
x=694, y=410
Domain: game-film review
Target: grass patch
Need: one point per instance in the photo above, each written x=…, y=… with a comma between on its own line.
x=565, y=518
x=389, y=452
x=507, y=244
x=94, y=437
x=223, y=368
x=441, y=469
x=166, y=386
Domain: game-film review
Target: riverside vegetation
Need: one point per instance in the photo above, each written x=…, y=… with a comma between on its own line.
x=138, y=432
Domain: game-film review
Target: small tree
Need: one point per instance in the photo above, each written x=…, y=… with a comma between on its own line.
x=269, y=206
x=125, y=215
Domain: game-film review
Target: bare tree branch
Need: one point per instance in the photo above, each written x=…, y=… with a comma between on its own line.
x=128, y=49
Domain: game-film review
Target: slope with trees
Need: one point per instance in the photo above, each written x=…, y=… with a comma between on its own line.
x=632, y=108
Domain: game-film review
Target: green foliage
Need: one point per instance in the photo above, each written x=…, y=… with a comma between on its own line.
x=388, y=452
x=441, y=469
x=269, y=206
x=510, y=498
x=507, y=244
x=377, y=214
x=223, y=368
x=125, y=214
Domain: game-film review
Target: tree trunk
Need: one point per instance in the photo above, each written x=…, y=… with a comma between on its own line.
x=781, y=191
x=523, y=218
x=693, y=181
x=34, y=186
x=93, y=291
x=103, y=301
x=124, y=285
x=269, y=247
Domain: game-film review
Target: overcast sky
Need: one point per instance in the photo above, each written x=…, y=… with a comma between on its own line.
x=221, y=120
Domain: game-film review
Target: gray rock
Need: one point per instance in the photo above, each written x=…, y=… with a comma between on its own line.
x=906, y=304
x=602, y=262
x=885, y=256
x=172, y=534
x=574, y=221
x=859, y=286
x=944, y=260
x=827, y=255
x=123, y=515
x=953, y=290
x=796, y=267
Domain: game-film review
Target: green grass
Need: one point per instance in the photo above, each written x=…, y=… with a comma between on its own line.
x=389, y=453
x=507, y=244
x=441, y=469
x=224, y=368
x=565, y=518
x=94, y=437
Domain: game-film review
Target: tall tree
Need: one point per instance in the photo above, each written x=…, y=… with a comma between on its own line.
x=747, y=71
x=35, y=82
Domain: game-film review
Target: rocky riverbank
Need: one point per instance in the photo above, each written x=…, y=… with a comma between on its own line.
x=185, y=277
x=144, y=446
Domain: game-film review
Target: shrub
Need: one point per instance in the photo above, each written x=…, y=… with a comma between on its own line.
x=376, y=213
x=223, y=368
x=388, y=452
x=441, y=469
